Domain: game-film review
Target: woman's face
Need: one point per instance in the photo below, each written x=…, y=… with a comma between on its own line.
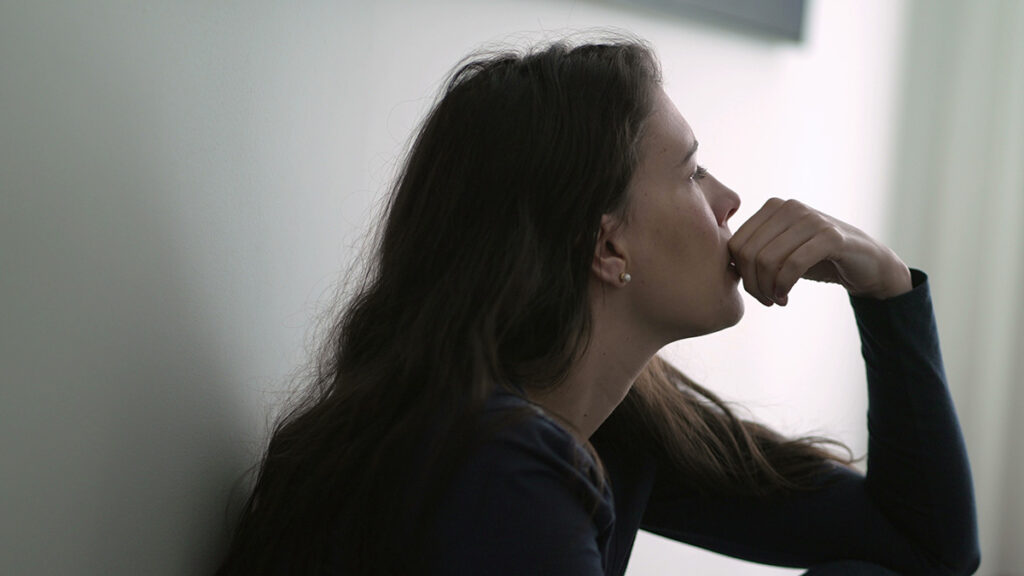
x=676, y=235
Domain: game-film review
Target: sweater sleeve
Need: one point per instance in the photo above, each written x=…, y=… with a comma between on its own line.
x=914, y=510
x=522, y=506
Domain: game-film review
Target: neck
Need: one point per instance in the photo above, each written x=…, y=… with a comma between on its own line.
x=602, y=377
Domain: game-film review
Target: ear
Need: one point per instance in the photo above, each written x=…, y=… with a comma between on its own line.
x=610, y=256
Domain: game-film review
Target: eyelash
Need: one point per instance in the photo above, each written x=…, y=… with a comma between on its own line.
x=699, y=173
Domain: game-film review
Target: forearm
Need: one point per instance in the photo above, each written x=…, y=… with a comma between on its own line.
x=918, y=471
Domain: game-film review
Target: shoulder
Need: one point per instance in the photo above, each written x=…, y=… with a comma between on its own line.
x=522, y=439
x=525, y=498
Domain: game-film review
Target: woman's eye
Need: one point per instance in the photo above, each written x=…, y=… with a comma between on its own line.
x=699, y=173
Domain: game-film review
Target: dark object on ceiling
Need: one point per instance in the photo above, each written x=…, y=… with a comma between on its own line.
x=777, y=18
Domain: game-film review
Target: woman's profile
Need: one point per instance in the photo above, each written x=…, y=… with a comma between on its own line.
x=491, y=400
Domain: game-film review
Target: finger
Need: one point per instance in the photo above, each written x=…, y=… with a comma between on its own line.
x=742, y=250
x=749, y=274
x=771, y=221
x=771, y=258
x=748, y=228
x=820, y=247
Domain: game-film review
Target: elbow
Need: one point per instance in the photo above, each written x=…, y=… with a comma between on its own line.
x=971, y=563
x=975, y=562
x=965, y=563
x=970, y=558
x=962, y=555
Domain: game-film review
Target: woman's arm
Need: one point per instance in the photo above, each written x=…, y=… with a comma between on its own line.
x=913, y=512
x=918, y=468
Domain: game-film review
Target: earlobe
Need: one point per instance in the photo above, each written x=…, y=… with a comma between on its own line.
x=610, y=257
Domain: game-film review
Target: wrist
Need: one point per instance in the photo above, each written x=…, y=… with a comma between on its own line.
x=896, y=283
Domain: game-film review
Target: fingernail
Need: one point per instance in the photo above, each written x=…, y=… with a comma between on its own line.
x=782, y=300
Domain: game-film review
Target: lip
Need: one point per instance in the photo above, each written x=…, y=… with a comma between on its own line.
x=731, y=266
x=730, y=263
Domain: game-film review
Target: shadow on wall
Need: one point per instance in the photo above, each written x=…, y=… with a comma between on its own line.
x=117, y=407
x=120, y=435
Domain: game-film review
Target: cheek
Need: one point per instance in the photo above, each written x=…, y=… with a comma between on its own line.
x=689, y=238
x=674, y=262
x=677, y=240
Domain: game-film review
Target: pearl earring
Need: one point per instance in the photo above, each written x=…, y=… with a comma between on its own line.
x=625, y=278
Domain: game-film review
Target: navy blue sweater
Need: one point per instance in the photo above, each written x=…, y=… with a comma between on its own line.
x=521, y=505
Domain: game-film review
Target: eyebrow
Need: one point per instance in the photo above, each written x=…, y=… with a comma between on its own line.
x=693, y=150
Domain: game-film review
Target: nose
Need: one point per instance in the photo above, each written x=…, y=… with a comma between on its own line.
x=725, y=202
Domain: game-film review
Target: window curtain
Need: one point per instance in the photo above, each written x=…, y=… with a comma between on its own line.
x=957, y=213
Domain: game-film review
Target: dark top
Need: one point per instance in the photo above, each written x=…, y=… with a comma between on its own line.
x=521, y=506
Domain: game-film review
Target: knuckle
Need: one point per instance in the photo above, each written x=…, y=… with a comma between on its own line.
x=791, y=267
x=797, y=208
x=833, y=235
x=810, y=217
x=766, y=267
x=788, y=275
x=765, y=259
x=746, y=254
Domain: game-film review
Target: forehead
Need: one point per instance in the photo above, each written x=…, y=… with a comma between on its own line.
x=667, y=135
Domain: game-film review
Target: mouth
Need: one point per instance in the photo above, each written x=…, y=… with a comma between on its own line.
x=732, y=267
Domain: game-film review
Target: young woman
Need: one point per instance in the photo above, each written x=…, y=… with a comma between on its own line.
x=491, y=401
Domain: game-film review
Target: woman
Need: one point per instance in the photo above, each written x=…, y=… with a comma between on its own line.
x=491, y=401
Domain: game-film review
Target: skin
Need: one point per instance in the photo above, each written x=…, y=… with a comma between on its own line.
x=676, y=245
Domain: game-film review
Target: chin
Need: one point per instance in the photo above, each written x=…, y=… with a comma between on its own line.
x=739, y=309
x=732, y=315
x=738, y=315
x=727, y=318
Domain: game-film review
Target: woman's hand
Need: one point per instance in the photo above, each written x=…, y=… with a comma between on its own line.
x=788, y=240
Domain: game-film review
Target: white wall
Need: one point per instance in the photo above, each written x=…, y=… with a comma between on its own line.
x=960, y=212
x=182, y=184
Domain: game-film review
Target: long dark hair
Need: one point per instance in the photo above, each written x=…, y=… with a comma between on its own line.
x=478, y=280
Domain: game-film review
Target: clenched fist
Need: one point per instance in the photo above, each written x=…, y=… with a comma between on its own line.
x=787, y=240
